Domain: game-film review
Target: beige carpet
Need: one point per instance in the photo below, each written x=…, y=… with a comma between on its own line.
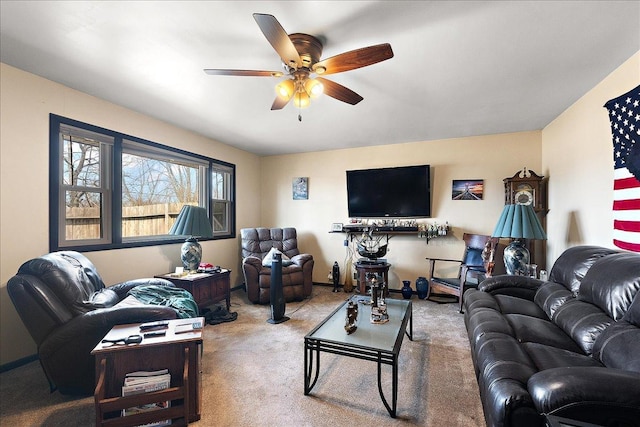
x=253, y=375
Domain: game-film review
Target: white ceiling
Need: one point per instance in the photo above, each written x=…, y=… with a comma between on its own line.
x=460, y=68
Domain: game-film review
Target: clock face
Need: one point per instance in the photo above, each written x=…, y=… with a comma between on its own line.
x=524, y=197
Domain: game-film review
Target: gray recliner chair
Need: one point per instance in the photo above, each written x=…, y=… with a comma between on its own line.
x=297, y=273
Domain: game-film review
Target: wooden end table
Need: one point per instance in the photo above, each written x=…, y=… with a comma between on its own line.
x=206, y=288
x=179, y=353
x=379, y=268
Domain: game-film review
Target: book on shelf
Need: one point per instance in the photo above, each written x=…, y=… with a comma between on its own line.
x=145, y=382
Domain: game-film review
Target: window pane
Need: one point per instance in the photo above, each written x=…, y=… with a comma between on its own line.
x=81, y=162
x=218, y=185
x=220, y=216
x=82, y=215
x=153, y=192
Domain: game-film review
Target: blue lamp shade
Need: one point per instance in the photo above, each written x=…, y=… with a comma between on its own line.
x=518, y=222
x=192, y=222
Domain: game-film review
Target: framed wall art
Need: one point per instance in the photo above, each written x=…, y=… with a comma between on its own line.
x=467, y=189
x=300, y=188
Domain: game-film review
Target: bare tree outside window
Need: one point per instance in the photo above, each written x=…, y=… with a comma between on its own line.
x=153, y=192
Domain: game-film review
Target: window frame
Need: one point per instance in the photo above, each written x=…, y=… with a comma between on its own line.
x=111, y=172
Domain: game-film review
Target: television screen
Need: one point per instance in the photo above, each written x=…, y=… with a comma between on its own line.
x=389, y=192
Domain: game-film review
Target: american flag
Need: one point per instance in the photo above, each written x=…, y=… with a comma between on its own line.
x=624, y=114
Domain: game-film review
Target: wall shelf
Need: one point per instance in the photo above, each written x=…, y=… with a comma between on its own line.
x=426, y=231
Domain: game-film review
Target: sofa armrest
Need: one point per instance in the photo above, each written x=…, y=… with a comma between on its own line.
x=301, y=259
x=589, y=393
x=65, y=353
x=507, y=284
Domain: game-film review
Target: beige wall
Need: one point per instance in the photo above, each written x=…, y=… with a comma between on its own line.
x=26, y=102
x=577, y=155
x=491, y=158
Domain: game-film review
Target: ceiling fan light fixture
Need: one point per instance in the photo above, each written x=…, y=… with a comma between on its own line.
x=301, y=99
x=313, y=88
x=285, y=88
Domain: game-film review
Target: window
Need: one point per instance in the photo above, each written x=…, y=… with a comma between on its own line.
x=221, y=198
x=110, y=190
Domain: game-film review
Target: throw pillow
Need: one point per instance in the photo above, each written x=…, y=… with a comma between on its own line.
x=268, y=258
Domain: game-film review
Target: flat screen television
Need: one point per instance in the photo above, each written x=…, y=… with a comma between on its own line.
x=397, y=192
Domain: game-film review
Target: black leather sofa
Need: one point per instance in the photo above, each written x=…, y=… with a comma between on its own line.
x=67, y=309
x=569, y=346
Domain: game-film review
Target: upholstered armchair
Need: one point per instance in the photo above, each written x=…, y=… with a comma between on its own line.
x=297, y=268
x=67, y=309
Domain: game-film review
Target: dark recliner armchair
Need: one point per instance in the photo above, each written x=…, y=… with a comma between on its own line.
x=67, y=309
x=297, y=275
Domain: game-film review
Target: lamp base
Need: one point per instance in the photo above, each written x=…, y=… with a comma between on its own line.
x=516, y=258
x=191, y=254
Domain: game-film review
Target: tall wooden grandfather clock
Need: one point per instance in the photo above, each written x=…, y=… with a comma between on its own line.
x=528, y=188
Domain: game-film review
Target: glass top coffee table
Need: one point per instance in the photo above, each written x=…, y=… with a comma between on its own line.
x=375, y=342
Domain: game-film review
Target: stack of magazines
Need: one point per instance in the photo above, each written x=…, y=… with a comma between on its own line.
x=146, y=382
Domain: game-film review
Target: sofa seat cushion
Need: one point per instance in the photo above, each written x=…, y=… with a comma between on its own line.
x=265, y=274
x=547, y=357
x=531, y=329
x=501, y=356
x=513, y=305
x=484, y=321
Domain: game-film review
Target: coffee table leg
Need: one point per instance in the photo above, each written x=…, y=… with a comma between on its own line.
x=308, y=366
x=394, y=386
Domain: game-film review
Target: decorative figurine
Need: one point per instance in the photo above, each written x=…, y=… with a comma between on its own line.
x=378, y=303
x=352, y=318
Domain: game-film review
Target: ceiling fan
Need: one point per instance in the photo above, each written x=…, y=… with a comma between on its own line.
x=300, y=54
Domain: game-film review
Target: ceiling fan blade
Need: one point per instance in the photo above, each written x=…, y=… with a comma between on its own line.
x=279, y=103
x=339, y=92
x=353, y=59
x=255, y=73
x=277, y=36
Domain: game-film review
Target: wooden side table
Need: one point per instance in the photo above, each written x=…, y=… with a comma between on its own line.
x=179, y=353
x=363, y=268
x=206, y=288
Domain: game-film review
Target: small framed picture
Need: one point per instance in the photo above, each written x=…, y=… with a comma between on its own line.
x=300, y=188
x=336, y=226
x=467, y=189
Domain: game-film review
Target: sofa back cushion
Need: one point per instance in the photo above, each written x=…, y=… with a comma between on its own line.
x=259, y=241
x=583, y=322
x=71, y=277
x=571, y=267
x=619, y=345
x=551, y=296
x=612, y=283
